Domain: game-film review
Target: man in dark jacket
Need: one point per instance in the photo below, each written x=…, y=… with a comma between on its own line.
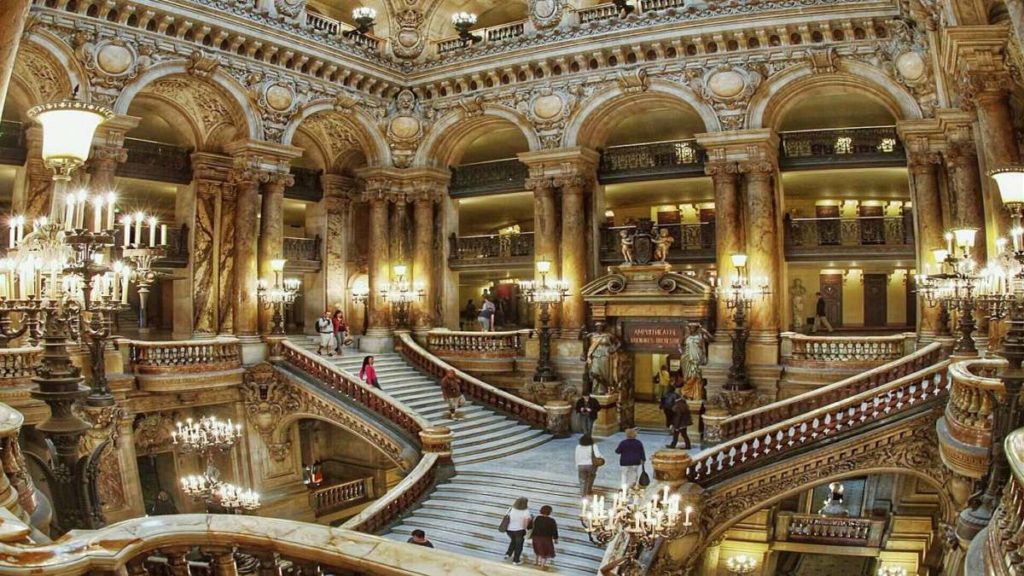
x=587, y=407
x=668, y=402
x=680, y=420
x=820, y=319
x=452, y=393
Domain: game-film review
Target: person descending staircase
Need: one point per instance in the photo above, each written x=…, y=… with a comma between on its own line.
x=462, y=514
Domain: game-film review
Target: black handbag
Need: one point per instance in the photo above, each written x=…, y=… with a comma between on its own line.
x=503, y=525
x=645, y=479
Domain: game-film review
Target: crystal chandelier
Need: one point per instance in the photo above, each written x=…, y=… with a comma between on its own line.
x=206, y=434
x=892, y=570
x=143, y=251
x=401, y=294
x=208, y=487
x=740, y=565
x=642, y=521
x=204, y=437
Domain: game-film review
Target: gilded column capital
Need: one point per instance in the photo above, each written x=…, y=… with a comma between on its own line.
x=722, y=170
x=575, y=184
x=211, y=167
x=111, y=154
x=242, y=176
x=975, y=56
x=757, y=169
x=541, y=185
x=960, y=151
x=376, y=188
x=279, y=180
x=923, y=161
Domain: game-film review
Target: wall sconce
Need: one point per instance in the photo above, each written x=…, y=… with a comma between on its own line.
x=853, y=272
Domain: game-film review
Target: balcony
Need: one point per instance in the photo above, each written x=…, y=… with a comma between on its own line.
x=828, y=531
x=484, y=178
x=12, y=143
x=487, y=250
x=307, y=186
x=694, y=243
x=302, y=254
x=864, y=238
x=156, y=161
x=336, y=29
x=872, y=147
x=651, y=161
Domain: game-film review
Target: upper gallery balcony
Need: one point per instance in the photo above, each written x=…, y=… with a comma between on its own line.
x=863, y=238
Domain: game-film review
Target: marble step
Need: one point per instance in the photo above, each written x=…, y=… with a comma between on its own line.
x=487, y=553
x=561, y=496
x=479, y=425
x=570, y=532
x=413, y=394
x=568, y=518
x=529, y=438
x=482, y=437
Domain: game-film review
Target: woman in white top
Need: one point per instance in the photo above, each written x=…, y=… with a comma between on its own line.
x=586, y=451
x=519, y=519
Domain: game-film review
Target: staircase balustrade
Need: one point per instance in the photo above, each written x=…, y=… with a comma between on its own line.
x=17, y=491
x=19, y=363
x=328, y=499
x=822, y=351
x=752, y=420
x=771, y=438
x=330, y=376
x=972, y=397
x=399, y=500
x=507, y=344
x=1004, y=546
x=509, y=404
x=816, y=529
x=189, y=356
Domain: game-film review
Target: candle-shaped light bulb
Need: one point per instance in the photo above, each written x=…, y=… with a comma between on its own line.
x=139, y=219
x=152, y=230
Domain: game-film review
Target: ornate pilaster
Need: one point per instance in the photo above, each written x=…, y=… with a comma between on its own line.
x=271, y=242
x=227, y=210
x=763, y=244
x=728, y=231
x=426, y=196
x=332, y=221
x=11, y=27
x=211, y=174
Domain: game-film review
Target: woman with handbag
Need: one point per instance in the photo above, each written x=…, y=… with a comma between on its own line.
x=588, y=459
x=631, y=456
x=516, y=522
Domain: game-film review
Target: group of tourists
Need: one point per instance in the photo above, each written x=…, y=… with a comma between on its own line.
x=518, y=522
x=333, y=332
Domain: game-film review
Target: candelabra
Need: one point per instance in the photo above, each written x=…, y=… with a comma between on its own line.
x=364, y=17
x=956, y=286
x=361, y=295
x=143, y=255
x=400, y=295
x=204, y=437
x=739, y=297
x=544, y=295
x=279, y=297
x=623, y=7
x=740, y=565
x=463, y=21
x=640, y=520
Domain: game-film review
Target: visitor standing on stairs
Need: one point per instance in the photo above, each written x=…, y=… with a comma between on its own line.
x=587, y=407
x=588, y=459
x=519, y=521
x=368, y=373
x=452, y=393
x=340, y=331
x=325, y=328
x=631, y=456
x=544, y=536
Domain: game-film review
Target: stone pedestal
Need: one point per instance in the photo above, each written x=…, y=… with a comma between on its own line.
x=670, y=465
x=713, y=418
x=693, y=430
x=608, y=418
x=559, y=422
x=254, y=350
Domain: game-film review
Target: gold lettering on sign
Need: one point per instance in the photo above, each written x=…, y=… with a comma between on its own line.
x=663, y=337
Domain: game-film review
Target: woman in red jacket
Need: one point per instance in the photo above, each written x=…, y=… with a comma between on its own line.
x=368, y=373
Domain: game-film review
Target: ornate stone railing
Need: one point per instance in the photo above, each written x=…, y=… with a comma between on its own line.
x=853, y=146
x=191, y=356
x=485, y=344
x=330, y=376
x=336, y=29
x=492, y=177
x=274, y=546
x=774, y=439
x=965, y=431
x=388, y=508
x=694, y=242
x=17, y=492
x=817, y=529
x=859, y=231
x=158, y=161
x=596, y=13
x=1004, y=549
x=470, y=249
x=329, y=499
x=19, y=363
x=875, y=379
x=307, y=249
x=651, y=160
x=843, y=351
x=492, y=35
x=472, y=388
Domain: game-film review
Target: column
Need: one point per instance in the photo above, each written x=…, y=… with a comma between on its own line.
x=423, y=256
x=545, y=228
x=210, y=174
x=377, y=259
x=330, y=219
x=399, y=237
x=227, y=210
x=103, y=165
x=34, y=200
x=271, y=241
x=728, y=232
x=969, y=209
x=930, y=230
x=12, y=25
x=763, y=246
x=247, y=206
x=574, y=252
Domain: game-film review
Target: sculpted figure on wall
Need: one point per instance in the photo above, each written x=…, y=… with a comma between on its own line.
x=600, y=356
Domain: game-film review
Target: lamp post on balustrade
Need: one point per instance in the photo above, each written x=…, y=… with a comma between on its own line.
x=401, y=294
x=277, y=297
x=956, y=286
x=544, y=295
x=739, y=297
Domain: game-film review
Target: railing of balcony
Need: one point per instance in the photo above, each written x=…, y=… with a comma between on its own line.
x=491, y=246
x=1004, y=547
x=149, y=160
x=847, y=145
x=184, y=356
x=307, y=185
x=822, y=351
x=693, y=242
x=972, y=398
x=336, y=29
x=18, y=364
x=816, y=529
x=651, y=160
x=858, y=231
x=12, y=142
x=489, y=177
x=302, y=249
x=328, y=499
x=481, y=344
x=491, y=35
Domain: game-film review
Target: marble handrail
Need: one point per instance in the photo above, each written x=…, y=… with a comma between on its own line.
x=19, y=363
x=801, y=349
x=972, y=398
x=822, y=423
x=753, y=420
x=164, y=357
x=327, y=499
x=376, y=401
x=473, y=388
x=399, y=499
x=1003, y=547
x=123, y=547
x=17, y=491
x=487, y=344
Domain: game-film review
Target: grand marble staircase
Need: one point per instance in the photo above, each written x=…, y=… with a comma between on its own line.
x=462, y=514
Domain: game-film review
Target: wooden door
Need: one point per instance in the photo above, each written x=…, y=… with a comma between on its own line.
x=832, y=291
x=828, y=225
x=872, y=225
x=875, y=295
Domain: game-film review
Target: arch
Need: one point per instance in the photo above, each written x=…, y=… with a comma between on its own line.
x=590, y=125
x=245, y=117
x=441, y=146
x=406, y=461
x=781, y=92
x=48, y=70
x=369, y=137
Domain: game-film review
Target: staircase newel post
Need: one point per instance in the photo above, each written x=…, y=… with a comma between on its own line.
x=438, y=440
x=683, y=548
x=559, y=418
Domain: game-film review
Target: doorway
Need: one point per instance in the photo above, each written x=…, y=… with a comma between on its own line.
x=158, y=472
x=832, y=292
x=875, y=305
x=650, y=383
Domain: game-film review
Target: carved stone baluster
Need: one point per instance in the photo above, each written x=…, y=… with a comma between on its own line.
x=224, y=563
x=269, y=564
x=177, y=561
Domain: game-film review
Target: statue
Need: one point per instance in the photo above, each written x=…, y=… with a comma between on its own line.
x=626, y=247
x=695, y=355
x=603, y=345
x=624, y=383
x=797, y=292
x=662, y=244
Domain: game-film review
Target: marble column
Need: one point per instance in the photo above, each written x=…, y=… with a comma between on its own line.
x=331, y=220
x=33, y=200
x=103, y=165
x=271, y=240
x=728, y=232
x=210, y=174
x=12, y=25
x=227, y=211
x=423, y=257
x=378, y=264
x=399, y=231
x=574, y=252
x=962, y=163
x=545, y=226
x=930, y=230
x=763, y=247
x=247, y=206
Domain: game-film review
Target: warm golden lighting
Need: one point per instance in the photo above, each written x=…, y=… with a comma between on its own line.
x=1011, y=184
x=739, y=260
x=543, y=266
x=940, y=255
x=401, y=269
x=277, y=265
x=68, y=129
x=965, y=237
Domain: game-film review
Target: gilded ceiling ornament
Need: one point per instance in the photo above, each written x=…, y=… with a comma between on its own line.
x=198, y=99
x=277, y=100
x=202, y=64
x=546, y=13
x=152, y=433
x=409, y=39
x=728, y=89
x=111, y=64
x=634, y=81
x=37, y=69
x=404, y=128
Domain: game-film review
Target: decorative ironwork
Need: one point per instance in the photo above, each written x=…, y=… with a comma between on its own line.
x=307, y=185
x=302, y=249
x=694, y=242
x=853, y=146
x=156, y=161
x=492, y=246
x=493, y=177
x=650, y=161
x=859, y=231
x=13, y=149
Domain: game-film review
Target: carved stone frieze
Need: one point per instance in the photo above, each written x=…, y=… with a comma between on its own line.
x=104, y=425
x=277, y=99
x=111, y=63
x=546, y=13
x=152, y=433
x=409, y=39
x=38, y=70
x=404, y=128
x=728, y=89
